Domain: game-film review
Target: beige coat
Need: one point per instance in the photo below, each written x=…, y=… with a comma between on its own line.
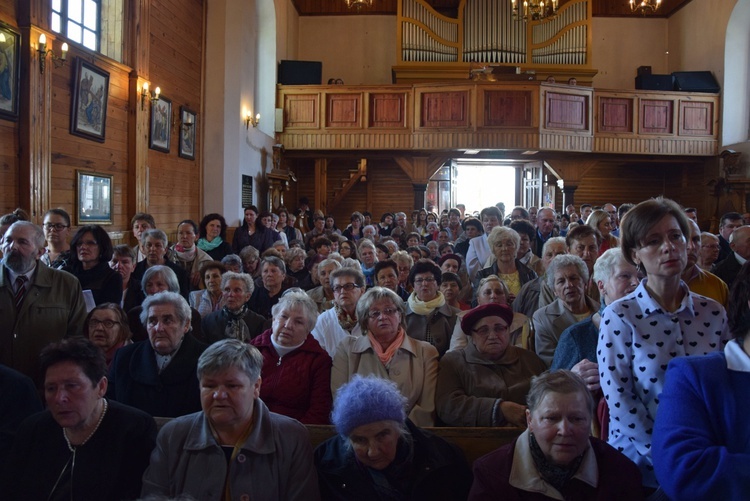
x=469, y=385
x=414, y=369
x=549, y=324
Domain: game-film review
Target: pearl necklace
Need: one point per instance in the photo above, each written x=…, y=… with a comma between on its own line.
x=101, y=418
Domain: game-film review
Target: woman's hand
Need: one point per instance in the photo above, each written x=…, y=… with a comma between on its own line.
x=514, y=413
x=589, y=372
x=195, y=278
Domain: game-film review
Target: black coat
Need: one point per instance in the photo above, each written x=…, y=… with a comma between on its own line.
x=214, y=325
x=104, y=283
x=134, y=379
x=135, y=295
x=440, y=471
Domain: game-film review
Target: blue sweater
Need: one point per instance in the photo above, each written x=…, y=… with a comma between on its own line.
x=701, y=440
x=576, y=343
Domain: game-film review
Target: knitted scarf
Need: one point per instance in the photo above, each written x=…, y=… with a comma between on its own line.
x=421, y=308
x=207, y=246
x=236, y=327
x=556, y=475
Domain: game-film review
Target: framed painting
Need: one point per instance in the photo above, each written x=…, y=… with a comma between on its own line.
x=187, y=133
x=88, y=116
x=93, y=198
x=10, y=42
x=161, y=124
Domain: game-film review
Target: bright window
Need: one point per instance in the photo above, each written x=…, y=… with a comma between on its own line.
x=95, y=24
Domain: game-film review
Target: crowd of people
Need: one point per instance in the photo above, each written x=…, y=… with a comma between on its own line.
x=616, y=337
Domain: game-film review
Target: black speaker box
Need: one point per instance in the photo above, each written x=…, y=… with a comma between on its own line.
x=300, y=72
x=654, y=82
x=695, y=81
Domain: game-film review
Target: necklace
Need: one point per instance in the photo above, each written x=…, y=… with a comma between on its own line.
x=101, y=418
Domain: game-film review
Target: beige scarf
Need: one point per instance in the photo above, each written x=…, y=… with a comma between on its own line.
x=425, y=308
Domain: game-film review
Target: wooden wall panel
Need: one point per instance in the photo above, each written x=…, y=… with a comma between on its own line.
x=566, y=111
x=445, y=109
x=301, y=111
x=656, y=117
x=507, y=108
x=8, y=166
x=696, y=118
x=344, y=110
x=615, y=114
x=387, y=110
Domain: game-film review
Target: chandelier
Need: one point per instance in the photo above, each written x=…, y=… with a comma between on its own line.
x=535, y=9
x=645, y=6
x=358, y=4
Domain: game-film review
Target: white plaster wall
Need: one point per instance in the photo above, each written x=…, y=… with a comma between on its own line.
x=621, y=45
x=287, y=30
x=357, y=49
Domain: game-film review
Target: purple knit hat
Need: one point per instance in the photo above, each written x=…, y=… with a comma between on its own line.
x=365, y=400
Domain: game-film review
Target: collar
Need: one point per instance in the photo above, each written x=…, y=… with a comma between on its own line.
x=650, y=306
x=739, y=259
x=525, y=476
x=737, y=359
x=12, y=275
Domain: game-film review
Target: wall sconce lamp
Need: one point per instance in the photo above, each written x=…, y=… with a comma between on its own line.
x=187, y=123
x=149, y=96
x=58, y=61
x=250, y=120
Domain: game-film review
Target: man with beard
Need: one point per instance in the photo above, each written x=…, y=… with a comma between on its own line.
x=38, y=304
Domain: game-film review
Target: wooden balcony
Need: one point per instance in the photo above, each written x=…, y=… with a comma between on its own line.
x=514, y=115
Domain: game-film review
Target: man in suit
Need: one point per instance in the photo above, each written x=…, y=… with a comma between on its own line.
x=739, y=241
x=38, y=304
x=728, y=223
x=545, y=228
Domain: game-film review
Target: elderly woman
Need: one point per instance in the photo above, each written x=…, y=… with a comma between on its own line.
x=253, y=232
x=108, y=328
x=250, y=261
x=83, y=446
x=493, y=290
x=187, y=254
x=642, y=332
x=295, y=265
x=386, y=275
x=89, y=262
x=158, y=375
x=709, y=250
x=555, y=458
x=296, y=370
x=504, y=244
x=159, y=279
x=428, y=317
x=123, y=262
x=235, y=320
x=213, y=235
x=701, y=442
x=602, y=221
x=56, y=228
x=209, y=298
x=379, y=454
x=235, y=448
x=567, y=276
x=485, y=383
x=386, y=351
x=333, y=325
x=323, y=294
x=368, y=258
x=273, y=272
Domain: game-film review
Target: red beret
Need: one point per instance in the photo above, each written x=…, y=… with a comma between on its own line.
x=486, y=310
x=446, y=257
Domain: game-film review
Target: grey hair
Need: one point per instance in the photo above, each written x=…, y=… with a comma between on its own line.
x=293, y=300
x=376, y=294
x=492, y=278
x=245, y=278
x=328, y=262
x=706, y=234
x=181, y=307
x=294, y=253
x=500, y=232
x=229, y=353
x=366, y=243
x=38, y=234
x=154, y=233
x=351, y=263
x=231, y=259
x=355, y=273
x=165, y=272
x=248, y=252
x=605, y=264
x=402, y=257
x=552, y=241
x=276, y=261
x=563, y=261
x=560, y=381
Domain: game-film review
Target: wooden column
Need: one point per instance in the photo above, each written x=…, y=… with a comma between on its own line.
x=568, y=195
x=321, y=182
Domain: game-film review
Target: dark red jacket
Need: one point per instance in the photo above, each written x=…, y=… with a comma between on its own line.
x=298, y=384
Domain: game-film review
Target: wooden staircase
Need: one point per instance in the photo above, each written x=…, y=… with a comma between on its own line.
x=355, y=176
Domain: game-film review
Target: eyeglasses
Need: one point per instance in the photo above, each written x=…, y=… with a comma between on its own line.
x=345, y=287
x=486, y=330
x=388, y=312
x=427, y=281
x=55, y=226
x=106, y=323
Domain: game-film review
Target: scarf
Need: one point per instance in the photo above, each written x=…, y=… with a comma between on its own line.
x=421, y=308
x=556, y=475
x=236, y=327
x=185, y=254
x=369, y=273
x=345, y=320
x=387, y=355
x=207, y=246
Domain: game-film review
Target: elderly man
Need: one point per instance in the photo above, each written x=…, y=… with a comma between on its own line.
x=479, y=249
x=154, y=244
x=140, y=223
x=527, y=300
x=545, y=228
x=39, y=304
x=728, y=223
x=335, y=324
x=700, y=281
x=739, y=241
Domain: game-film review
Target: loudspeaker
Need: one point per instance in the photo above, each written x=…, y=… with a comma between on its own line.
x=695, y=81
x=654, y=82
x=644, y=70
x=300, y=72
